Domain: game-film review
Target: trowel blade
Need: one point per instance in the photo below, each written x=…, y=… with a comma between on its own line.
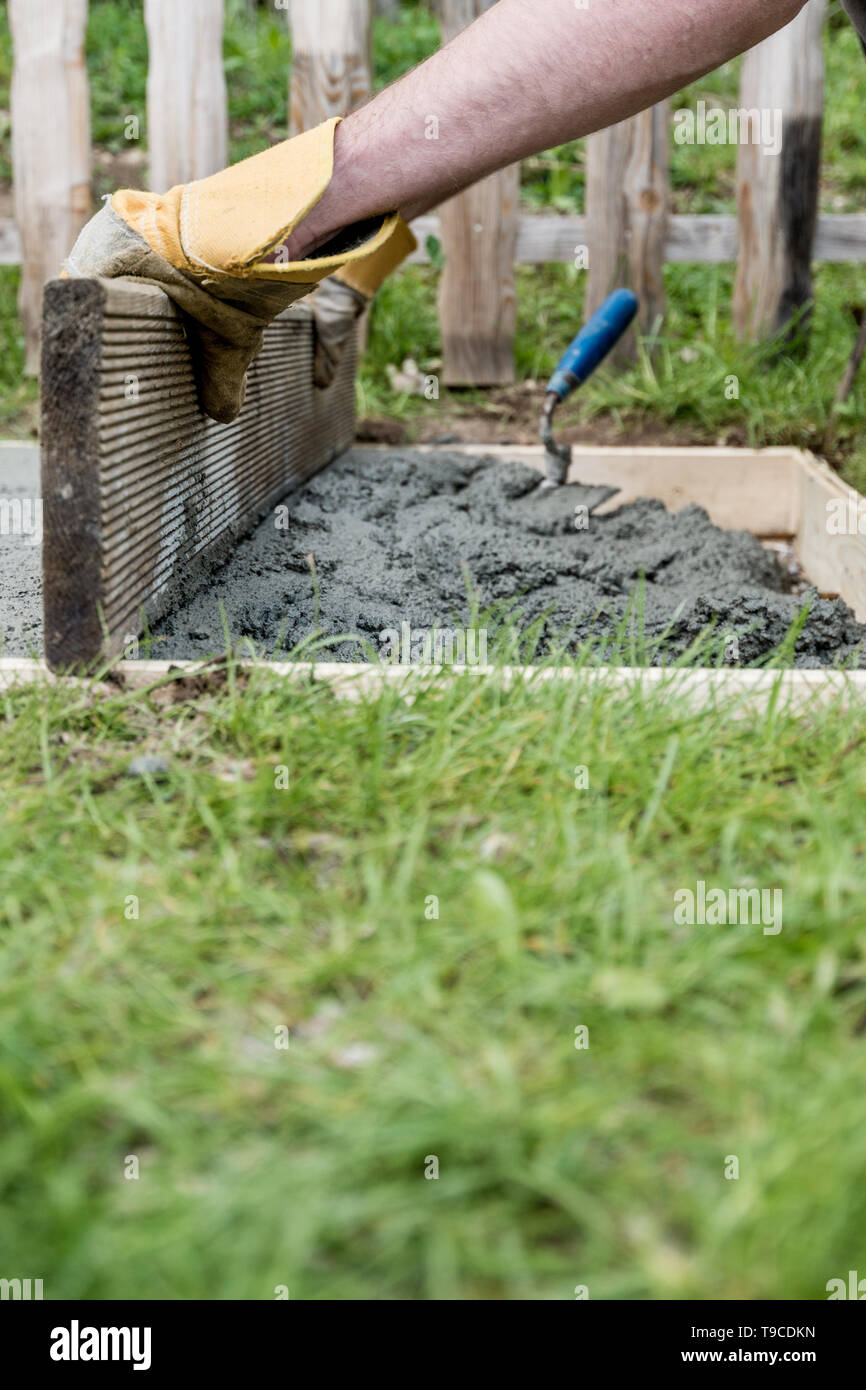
x=558, y=459
x=589, y=495
x=598, y=492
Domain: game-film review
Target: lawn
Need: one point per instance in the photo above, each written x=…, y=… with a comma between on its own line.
x=169, y=934
x=253, y=999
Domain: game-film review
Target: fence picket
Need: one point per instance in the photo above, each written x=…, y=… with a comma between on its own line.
x=777, y=195
x=627, y=204
x=331, y=60
x=187, y=107
x=50, y=145
x=477, y=292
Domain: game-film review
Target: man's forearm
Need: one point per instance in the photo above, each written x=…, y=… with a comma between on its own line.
x=528, y=74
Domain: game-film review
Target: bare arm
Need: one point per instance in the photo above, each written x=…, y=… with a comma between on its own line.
x=527, y=75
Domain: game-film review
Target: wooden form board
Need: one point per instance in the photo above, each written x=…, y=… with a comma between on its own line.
x=741, y=692
x=143, y=496
x=834, y=561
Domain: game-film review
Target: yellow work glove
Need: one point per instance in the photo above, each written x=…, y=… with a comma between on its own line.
x=206, y=243
x=340, y=300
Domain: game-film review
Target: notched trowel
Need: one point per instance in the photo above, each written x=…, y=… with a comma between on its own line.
x=588, y=350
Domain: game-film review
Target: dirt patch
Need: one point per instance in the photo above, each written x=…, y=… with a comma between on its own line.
x=510, y=415
x=378, y=541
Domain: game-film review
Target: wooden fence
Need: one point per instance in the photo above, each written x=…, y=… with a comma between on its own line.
x=625, y=236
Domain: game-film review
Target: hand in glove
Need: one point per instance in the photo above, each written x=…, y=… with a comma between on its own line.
x=340, y=300
x=206, y=245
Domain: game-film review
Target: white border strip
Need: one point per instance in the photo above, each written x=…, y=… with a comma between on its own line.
x=797, y=689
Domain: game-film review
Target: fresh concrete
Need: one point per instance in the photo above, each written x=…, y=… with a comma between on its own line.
x=378, y=540
x=20, y=550
x=386, y=538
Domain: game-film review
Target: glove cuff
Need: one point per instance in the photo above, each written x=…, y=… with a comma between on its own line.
x=227, y=224
x=367, y=274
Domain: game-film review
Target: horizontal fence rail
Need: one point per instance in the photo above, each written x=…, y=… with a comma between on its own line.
x=690, y=238
x=542, y=239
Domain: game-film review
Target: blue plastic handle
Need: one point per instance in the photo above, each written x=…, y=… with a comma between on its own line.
x=593, y=343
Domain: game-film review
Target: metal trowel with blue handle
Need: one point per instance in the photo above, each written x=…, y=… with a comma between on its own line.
x=588, y=350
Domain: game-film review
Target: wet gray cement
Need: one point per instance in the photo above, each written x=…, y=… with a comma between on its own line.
x=392, y=536
x=20, y=572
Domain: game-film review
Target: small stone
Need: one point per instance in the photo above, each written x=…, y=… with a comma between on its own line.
x=329, y=1014
x=148, y=766
x=356, y=1054
x=497, y=846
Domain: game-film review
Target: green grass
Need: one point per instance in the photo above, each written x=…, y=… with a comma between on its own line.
x=152, y=1036
x=398, y=47
x=261, y=909
x=18, y=394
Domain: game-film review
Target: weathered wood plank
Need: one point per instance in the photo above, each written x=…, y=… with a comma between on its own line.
x=741, y=693
x=647, y=201
x=829, y=542
x=777, y=192
x=50, y=145
x=187, y=105
x=143, y=496
x=332, y=70
x=691, y=238
x=331, y=60
x=627, y=198
x=477, y=289
x=549, y=239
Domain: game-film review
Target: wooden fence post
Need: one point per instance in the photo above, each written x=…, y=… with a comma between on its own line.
x=187, y=106
x=331, y=60
x=50, y=145
x=627, y=207
x=477, y=291
x=332, y=71
x=777, y=193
